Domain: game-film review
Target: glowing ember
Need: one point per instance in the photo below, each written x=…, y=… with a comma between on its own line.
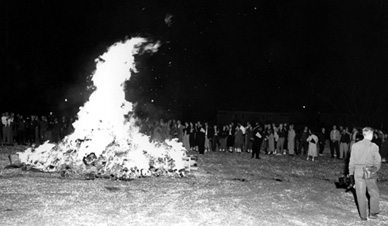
x=105, y=142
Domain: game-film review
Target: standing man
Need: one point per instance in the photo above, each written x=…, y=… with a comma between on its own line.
x=257, y=136
x=248, y=136
x=365, y=154
x=282, y=136
x=344, y=143
x=303, y=145
x=334, y=142
x=6, y=121
x=291, y=140
x=322, y=140
x=201, y=136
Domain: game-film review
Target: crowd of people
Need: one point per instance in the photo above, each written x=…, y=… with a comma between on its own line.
x=271, y=139
x=32, y=129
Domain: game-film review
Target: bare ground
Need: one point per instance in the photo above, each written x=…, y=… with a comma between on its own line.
x=227, y=189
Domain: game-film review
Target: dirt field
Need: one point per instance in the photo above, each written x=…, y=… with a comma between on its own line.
x=227, y=189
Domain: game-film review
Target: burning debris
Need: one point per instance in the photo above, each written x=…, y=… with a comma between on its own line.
x=106, y=141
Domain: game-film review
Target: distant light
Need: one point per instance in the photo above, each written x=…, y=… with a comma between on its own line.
x=304, y=106
x=51, y=113
x=152, y=101
x=65, y=100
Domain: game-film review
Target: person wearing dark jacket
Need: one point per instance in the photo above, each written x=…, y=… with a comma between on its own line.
x=384, y=149
x=303, y=144
x=322, y=140
x=201, y=138
x=209, y=136
x=257, y=136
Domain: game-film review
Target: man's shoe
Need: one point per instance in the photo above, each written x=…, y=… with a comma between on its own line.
x=374, y=216
x=363, y=218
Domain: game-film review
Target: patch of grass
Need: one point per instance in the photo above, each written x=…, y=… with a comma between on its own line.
x=227, y=189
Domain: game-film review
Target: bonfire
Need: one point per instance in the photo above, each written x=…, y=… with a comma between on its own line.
x=106, y=141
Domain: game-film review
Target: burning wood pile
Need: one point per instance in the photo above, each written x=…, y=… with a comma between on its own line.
x=106, y=141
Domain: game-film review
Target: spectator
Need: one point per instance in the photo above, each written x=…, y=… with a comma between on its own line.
x=322, y=140
x=384, y=149
x=43, y=125
x=186, y=136
x=282, y=136
x=201, y=138
x=312, y=141
x=223, y=138
x=365, y=154
x=334, y=142
x=303, y=144
x=276, y=138
x=238, y=139
x=291, y=140
x=286, y=128
x=215, y=141
x=157, y=132
x=4, y=123
x=192, y=137
x=248, y=136
x=209, y=137
x=264, y=145
x=353, y=139
x=230, y=139
x=271, y=142
x=180, y=129
x=344, y=143
x=258, y=137
x=164, y=129
x=10, y=125
x=21, y=129
x=55, y=130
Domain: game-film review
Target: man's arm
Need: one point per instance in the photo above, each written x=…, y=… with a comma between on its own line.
x=376, y=158
x=351, y=161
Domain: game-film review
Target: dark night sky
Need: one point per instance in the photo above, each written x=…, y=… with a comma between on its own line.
x=216, y=55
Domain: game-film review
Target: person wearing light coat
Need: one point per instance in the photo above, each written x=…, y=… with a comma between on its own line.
x=312, y=140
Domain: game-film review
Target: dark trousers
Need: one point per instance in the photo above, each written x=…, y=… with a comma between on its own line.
x=334, y=148
x=256, y=149
x=347, y=160
x=303, y=147
x=201, y=144
x=321, y=147
x=7, y=135
x=215, y=143
x=21, y=137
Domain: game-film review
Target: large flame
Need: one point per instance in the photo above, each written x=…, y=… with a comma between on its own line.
x=104, y=139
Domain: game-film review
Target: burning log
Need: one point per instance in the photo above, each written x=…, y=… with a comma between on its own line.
x=106, y=142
